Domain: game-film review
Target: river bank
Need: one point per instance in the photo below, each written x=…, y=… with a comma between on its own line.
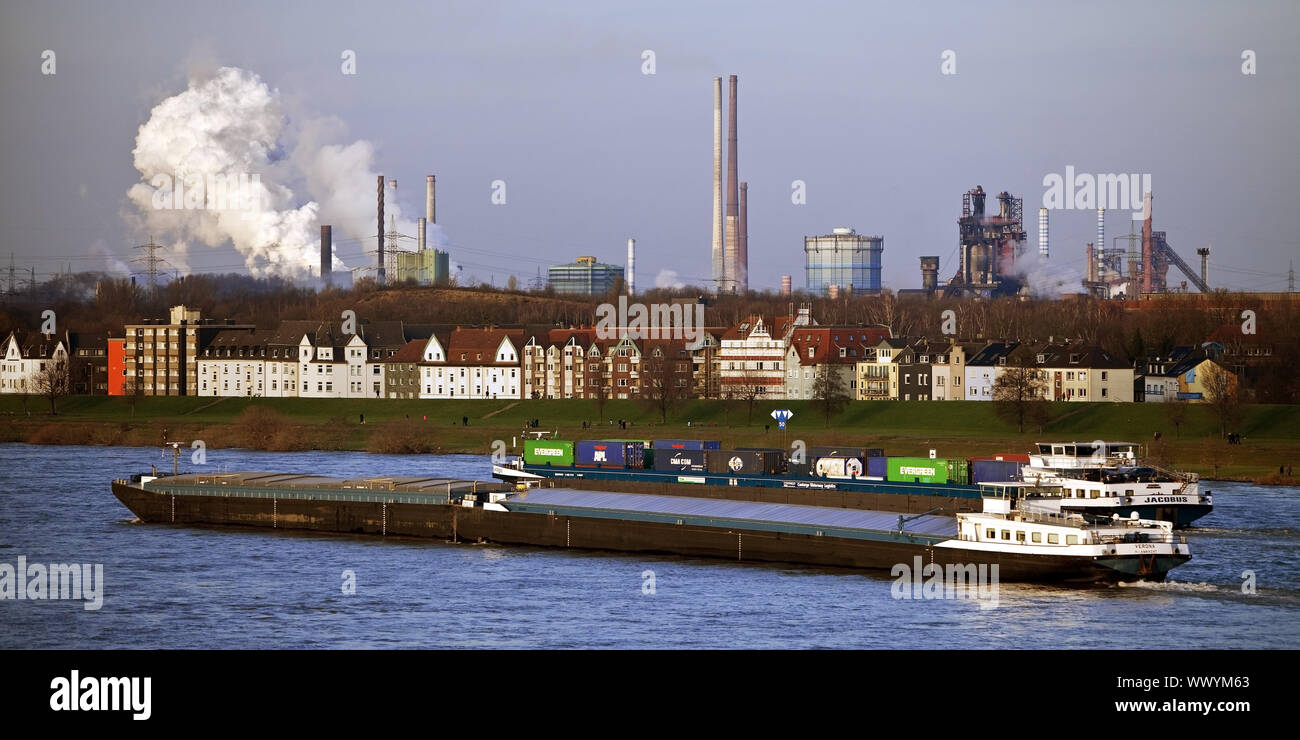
x=953, y=429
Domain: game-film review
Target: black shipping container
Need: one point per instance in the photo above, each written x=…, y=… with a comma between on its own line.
x=746, y=462
x=681, y=461
x=874, y=452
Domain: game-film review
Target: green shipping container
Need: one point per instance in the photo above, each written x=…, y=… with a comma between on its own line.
x=959, y=471
x=917, y=470
x=542, y=452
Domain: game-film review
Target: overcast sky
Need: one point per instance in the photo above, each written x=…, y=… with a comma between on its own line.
x=550, y=98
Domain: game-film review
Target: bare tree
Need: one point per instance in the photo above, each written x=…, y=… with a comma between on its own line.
x=1176, y=414
x=659, y=378
x=598, y=384
x=829, y=391
x=1018, y=395
x=1221, y=396
x=53, y=382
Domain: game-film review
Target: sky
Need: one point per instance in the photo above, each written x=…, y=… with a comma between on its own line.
x=551, y=99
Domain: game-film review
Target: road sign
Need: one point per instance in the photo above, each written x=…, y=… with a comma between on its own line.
x=782, y=416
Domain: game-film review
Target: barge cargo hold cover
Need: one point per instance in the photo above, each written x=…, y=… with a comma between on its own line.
x=748, y=531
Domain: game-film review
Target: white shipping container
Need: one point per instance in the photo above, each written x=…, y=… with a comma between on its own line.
x=839, y=467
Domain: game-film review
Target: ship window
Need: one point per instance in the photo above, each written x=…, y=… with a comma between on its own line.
x=1128, y=491
x=1036, y=536
x=1020, y=536
x=1096, y=493
x=1006, y=534
x=1072, y=539
x=1053, y=538
x=992, y=534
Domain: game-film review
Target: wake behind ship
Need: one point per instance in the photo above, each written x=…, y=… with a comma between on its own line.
x=1025, y=545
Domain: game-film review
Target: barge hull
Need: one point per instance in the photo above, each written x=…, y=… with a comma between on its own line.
x=475, y=524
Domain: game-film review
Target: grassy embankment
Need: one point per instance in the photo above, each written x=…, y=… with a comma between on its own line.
x=955, y=429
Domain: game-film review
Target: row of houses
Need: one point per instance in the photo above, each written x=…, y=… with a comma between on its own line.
x=772, y=357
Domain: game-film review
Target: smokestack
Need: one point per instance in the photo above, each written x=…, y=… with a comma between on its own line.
x=326, y=254
x=420, y=226
x=742, y=252
x=786, y=285
x=1089, y=264
x=1042, y=233
x=429, y=203
x=1100, y=245
x=731, y=254
x=380, y=235
x=719, y=265
x=631, y=267
x=1146, y=242
x=1205, y=264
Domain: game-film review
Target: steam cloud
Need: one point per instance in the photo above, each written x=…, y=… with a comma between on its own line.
x=668, y=279
x=232, y=123
x=1045, y=279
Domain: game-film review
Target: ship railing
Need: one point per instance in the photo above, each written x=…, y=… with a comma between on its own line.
x=1137, y=537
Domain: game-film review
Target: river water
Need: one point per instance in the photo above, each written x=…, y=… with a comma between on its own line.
x=175, y=587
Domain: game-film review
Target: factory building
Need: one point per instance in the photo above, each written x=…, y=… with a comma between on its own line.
x=990, y=246
x=584, y=276
x=843, y=262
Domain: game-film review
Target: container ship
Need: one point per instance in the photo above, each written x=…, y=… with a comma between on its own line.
x=1024, y=545
x=1112, y=482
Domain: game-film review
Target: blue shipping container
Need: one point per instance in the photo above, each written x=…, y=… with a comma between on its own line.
x=995, y=471
x=603, y=453
x=876, y=467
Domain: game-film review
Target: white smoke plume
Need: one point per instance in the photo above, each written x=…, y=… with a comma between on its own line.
x=1044, y=278
x=669, y=279
x=231, y=123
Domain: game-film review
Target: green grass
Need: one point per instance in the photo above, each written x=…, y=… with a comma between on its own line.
x=1135, y=421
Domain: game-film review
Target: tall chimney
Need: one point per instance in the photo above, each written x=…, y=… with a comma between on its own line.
x=719, y=264
x=1205, y=264
x=631, y=267
x=1042, y=233
x=420, y=225
x=379, y=238
x=786, y=285
x=1089, y=264
x=742, y=252
x=326, y=254
x=1100, y=245
x=429, y=212
x=731, y=252
x=1146, y=242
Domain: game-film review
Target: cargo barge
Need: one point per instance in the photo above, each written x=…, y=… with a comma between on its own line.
x=1025, y=546
x=1100, y=484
